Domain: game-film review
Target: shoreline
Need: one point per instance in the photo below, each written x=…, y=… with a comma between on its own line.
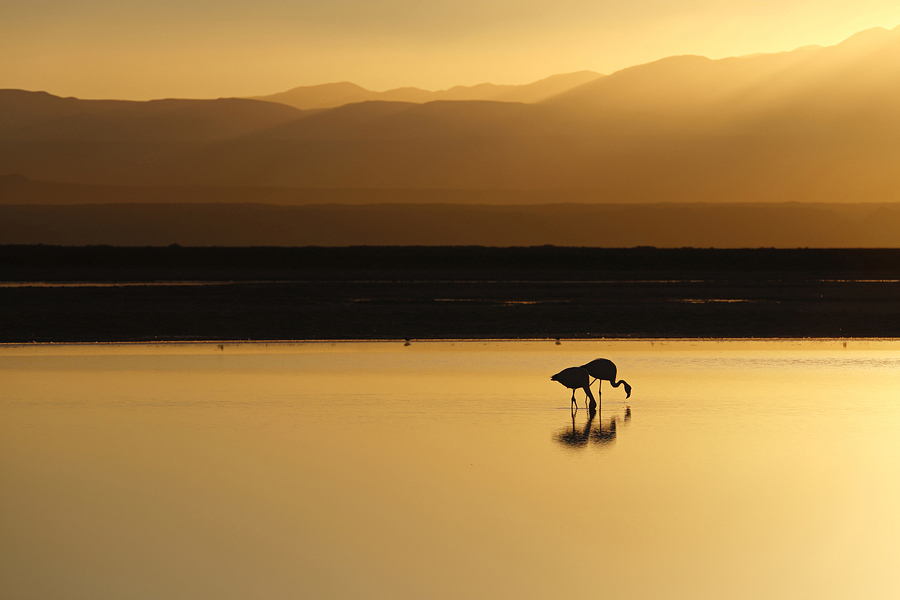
x=220, y=295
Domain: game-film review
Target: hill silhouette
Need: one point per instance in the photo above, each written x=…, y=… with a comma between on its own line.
x=331, y=95
x=780, y=225
x=812, y=125
x=38, y=116
x=810, y=86
x=16, y=189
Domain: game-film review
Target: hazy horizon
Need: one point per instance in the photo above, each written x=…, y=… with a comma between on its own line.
x=95, y=49
x=814, y=125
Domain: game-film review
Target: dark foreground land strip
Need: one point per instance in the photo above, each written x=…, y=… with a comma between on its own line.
x=67, y=294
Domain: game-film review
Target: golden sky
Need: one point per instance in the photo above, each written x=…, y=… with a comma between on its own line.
x=140, y=50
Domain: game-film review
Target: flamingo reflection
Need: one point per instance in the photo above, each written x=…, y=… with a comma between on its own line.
x=594, y=432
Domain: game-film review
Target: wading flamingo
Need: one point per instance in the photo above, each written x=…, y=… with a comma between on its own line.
x=605, y=370
x=574, y=378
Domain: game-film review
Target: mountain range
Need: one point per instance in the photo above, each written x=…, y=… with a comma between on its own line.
x=817, y=124
x=331, y=95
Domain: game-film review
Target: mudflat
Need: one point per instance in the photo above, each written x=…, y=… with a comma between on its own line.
x=72, y=294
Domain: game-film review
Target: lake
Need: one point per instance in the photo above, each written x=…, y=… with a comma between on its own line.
x=450, y=470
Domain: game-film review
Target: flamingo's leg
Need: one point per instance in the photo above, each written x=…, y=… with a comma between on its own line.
x=588, y=396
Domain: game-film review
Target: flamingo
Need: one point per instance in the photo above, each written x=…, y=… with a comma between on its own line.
x=574, y=378
x=605, y=370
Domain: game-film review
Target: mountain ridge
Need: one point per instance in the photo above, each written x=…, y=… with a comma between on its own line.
x=332, y=95
x=817, y=124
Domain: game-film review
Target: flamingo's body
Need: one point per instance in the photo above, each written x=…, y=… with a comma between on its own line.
x=605, y=370
x=574, y=378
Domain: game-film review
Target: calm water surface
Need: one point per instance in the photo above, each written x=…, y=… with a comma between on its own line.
x=449, y=470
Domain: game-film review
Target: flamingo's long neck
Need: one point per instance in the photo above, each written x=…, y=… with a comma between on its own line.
x=587, y=392
x=616, y=384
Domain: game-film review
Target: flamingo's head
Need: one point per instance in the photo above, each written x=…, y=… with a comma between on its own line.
x=627, y=390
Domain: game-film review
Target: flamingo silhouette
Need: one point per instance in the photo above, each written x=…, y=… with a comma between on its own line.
x=574, y=378
x=605, y=370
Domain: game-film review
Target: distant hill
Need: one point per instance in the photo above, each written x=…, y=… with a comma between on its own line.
x=813, y=125
x=38, y=116
x=18, y=190
x=331, y=95
x=440, y=119
x=808, y=87
x=701, y=225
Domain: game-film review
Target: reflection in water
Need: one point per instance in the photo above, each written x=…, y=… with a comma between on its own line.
x=222, y=471
x=593, y=431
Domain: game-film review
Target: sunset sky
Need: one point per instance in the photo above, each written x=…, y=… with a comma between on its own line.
x=134, y=49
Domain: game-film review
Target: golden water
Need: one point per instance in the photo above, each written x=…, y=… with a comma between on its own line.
x=449, y=471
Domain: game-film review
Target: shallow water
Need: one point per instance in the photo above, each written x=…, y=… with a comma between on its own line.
x=449, y=470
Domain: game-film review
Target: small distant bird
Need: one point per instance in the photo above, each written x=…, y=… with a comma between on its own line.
x=574, y=378
x=605, y=370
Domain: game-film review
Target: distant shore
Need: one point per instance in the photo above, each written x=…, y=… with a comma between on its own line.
x=164, y=216
x=109, y=294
